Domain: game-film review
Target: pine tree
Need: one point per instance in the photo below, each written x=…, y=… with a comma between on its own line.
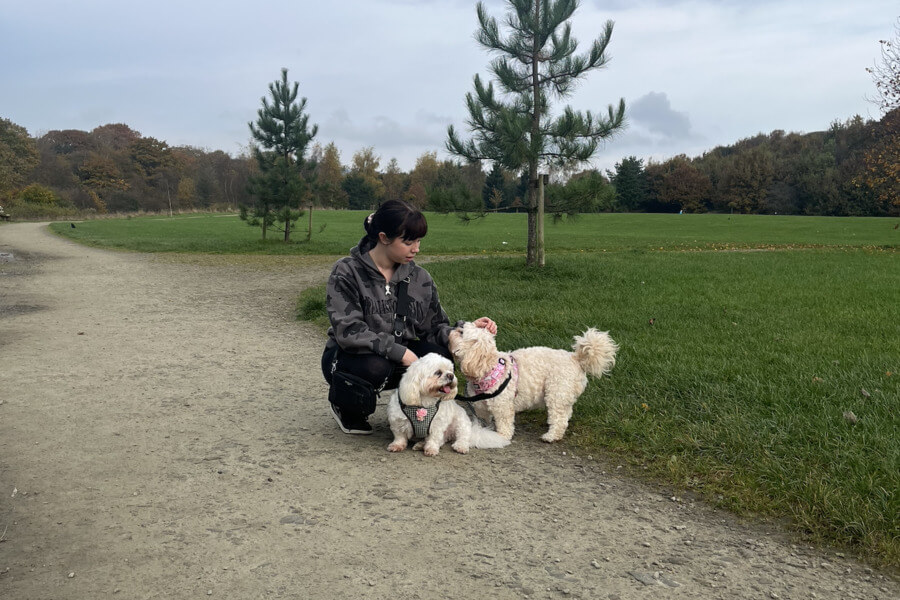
x=492, y=194
x=630, y=182
x=282, y=132
x=537, y=61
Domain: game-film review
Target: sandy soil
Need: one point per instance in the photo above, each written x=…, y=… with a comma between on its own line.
x=164, y=434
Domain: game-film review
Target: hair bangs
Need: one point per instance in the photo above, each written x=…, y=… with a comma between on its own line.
x=414, y=226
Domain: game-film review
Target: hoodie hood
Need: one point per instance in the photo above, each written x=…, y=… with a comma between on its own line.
x=362, y=257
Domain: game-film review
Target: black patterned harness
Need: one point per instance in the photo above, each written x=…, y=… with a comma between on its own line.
x=421, y=423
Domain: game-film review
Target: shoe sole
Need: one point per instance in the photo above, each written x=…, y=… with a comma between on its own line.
x=347, y=430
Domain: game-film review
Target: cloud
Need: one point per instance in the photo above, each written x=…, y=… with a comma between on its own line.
x=406, y=138
x=654, y=113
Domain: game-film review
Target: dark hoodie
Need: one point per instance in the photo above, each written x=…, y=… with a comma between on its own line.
x=362, y=311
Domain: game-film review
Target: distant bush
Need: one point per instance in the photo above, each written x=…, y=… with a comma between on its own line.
x=38, y=194
x=37, y=202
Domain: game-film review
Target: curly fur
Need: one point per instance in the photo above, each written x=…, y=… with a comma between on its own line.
x=546, y=376
x=426, y=382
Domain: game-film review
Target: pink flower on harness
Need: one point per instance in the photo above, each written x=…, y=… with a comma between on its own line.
x=496, y=376
x=421, y=414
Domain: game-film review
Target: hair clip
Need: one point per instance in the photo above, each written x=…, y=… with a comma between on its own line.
x=369, y=219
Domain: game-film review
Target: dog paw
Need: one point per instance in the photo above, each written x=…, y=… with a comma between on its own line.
x=550, y=438
x=431, y=451
x=419, y=446
x=396, y=447
x=461, y=448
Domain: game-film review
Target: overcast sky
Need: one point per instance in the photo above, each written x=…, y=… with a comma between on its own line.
x=393, y=74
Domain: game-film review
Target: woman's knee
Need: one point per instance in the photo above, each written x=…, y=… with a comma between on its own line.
x=371, y=367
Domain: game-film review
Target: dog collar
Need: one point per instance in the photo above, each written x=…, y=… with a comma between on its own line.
x=497, y=373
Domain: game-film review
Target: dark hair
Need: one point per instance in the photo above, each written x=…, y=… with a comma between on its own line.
x=395, y=219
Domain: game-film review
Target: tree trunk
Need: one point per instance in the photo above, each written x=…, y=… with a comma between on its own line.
x=535, y=254
x=309, y=231
x=539, y=226
x=531, y=257
x=169, y=197
x=287, y=225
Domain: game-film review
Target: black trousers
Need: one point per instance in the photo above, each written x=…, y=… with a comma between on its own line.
x=379, y=371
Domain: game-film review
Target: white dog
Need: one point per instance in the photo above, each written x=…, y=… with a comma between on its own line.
x=424, y=406
x=533, y=377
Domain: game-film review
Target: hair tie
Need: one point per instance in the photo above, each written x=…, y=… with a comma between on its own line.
x=369, y=219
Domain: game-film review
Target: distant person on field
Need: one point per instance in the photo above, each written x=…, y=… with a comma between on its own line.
x=363, y=355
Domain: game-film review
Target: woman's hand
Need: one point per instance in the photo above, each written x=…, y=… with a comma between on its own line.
x=486, y=323
x=409, y=357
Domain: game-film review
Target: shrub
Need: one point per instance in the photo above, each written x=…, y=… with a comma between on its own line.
x=38, y=194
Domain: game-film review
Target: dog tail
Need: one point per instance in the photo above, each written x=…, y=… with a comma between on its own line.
x=486, y=438
x=595, y=351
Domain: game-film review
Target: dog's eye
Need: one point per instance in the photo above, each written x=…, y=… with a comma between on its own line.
x=437, y=373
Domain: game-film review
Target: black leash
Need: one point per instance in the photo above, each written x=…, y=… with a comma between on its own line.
x=485, y=395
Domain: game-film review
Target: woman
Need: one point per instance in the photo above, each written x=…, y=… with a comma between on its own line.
x=363, y=355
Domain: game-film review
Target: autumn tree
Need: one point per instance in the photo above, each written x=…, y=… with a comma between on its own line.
x=422, y=179
x=882, y=159
x=18, y=155
x=282, y=134
x=536, y=62
x=155, y=162
x=395, y=181
x=682, y=186
x=329, y=175
x=117, y=137
x=100, y=175
x=886, y=74
x=364, y=165
x=746, y=184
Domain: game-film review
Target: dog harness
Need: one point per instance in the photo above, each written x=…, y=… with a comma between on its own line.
x=419, y=417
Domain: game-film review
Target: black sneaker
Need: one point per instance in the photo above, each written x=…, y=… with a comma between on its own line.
x=356, y=427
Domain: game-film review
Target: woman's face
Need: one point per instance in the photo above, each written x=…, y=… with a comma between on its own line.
x=402, y=251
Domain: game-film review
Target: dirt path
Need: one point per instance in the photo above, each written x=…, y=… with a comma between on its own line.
x=164, y=434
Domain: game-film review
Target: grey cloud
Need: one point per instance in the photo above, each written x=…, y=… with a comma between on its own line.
x=405, y=140
x=654, y=113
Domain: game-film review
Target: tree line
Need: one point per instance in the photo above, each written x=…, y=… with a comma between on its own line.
x=843, y=171
x=113, y=168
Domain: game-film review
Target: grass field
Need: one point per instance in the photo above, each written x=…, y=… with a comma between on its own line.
x=746, y=344
x=335, y=231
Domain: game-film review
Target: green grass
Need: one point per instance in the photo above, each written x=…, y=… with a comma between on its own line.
x=739, y=387
x=334, y=232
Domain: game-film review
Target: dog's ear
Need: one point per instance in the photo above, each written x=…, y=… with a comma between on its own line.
x=412, y=383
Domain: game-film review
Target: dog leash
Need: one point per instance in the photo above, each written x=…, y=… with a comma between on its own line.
x=486, y=395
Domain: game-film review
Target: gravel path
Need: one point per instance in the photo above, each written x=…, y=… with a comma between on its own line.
x=164, y=434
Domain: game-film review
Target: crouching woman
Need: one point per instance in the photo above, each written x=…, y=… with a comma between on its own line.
x=378, y=328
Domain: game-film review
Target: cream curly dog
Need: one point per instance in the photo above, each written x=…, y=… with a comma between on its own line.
x=424, y=405
x=534, y=377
